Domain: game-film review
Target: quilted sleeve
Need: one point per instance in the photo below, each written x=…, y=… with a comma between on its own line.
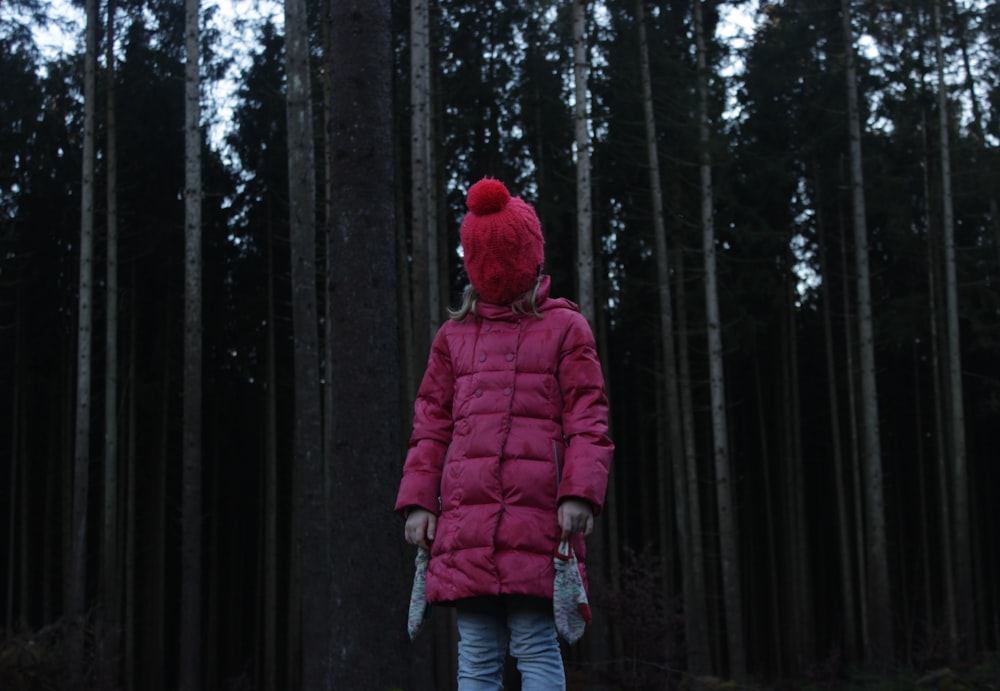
x=589, y=449
x=432, y=427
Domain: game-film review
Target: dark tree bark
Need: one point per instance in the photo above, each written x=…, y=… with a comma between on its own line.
x=77, y=583
x=316, y=647
x=369, y=588
x=424, y=240
x=848, y=608
x=13, y=576
x=797, y=594
x=964, y=594
x=581, y=121
x=110, y=543
x=129, y=559
x=948, y=612
x=190, y=673
x=728, y=540
x=880, y=648
x=269, y=619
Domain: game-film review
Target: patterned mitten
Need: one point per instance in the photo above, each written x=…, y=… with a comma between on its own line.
x=569, y=597
x=419, y=611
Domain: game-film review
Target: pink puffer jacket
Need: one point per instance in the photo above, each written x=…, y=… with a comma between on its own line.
x=511, y=417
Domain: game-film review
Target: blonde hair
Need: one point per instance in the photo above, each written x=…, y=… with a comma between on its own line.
x=526, y=303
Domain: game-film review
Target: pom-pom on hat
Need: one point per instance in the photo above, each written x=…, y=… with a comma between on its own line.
x=501, y=241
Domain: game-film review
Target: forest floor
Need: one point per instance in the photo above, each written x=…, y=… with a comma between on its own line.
x=37, y=660
x=983, y=675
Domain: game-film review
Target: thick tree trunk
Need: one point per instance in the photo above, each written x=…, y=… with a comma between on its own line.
x=728, y=541
x=190, y=672
x=880, y=648
x=372, y=650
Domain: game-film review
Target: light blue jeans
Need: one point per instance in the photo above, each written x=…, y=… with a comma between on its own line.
x=487, y=625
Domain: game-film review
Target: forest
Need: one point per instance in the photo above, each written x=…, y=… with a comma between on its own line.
x=214, y=315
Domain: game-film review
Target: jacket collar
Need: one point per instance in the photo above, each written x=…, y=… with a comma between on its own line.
x=487, y=310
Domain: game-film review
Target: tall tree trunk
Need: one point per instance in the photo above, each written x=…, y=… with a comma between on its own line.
x=799, y=597
x=949, y=614
x=111, y=582
x=129, y=619
x=919, y=435
x=777, y=645
x=436, y=209
x=437, y=283
x=58, y=496
x=317, y=648
x=153, y=598
x=270, y=637
x=424, y=242
x=694, y=616
x=26, y=543
x=76, y=595
x=728, y=542
x=371, y=644
x=329, y=309
x=880, y=650
x=405, y=296
x=189, y=672
x=964, y=593
x=848, y=607
x=428, y=649
x=607, y=542
x=700, y=636
x=12, y=486
x=857, y=495
x=584, y=212
x=598, y=641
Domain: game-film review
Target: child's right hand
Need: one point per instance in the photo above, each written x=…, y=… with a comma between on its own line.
x=421, y=525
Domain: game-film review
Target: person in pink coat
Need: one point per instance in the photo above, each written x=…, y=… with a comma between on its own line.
x=510, y=452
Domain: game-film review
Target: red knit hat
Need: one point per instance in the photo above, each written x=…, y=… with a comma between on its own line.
x=501, y=241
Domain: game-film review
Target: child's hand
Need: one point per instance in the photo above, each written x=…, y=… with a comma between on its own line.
x=421, y=525
x=576, y=516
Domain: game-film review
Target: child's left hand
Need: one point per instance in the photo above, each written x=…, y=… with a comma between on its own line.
x=575, y=516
